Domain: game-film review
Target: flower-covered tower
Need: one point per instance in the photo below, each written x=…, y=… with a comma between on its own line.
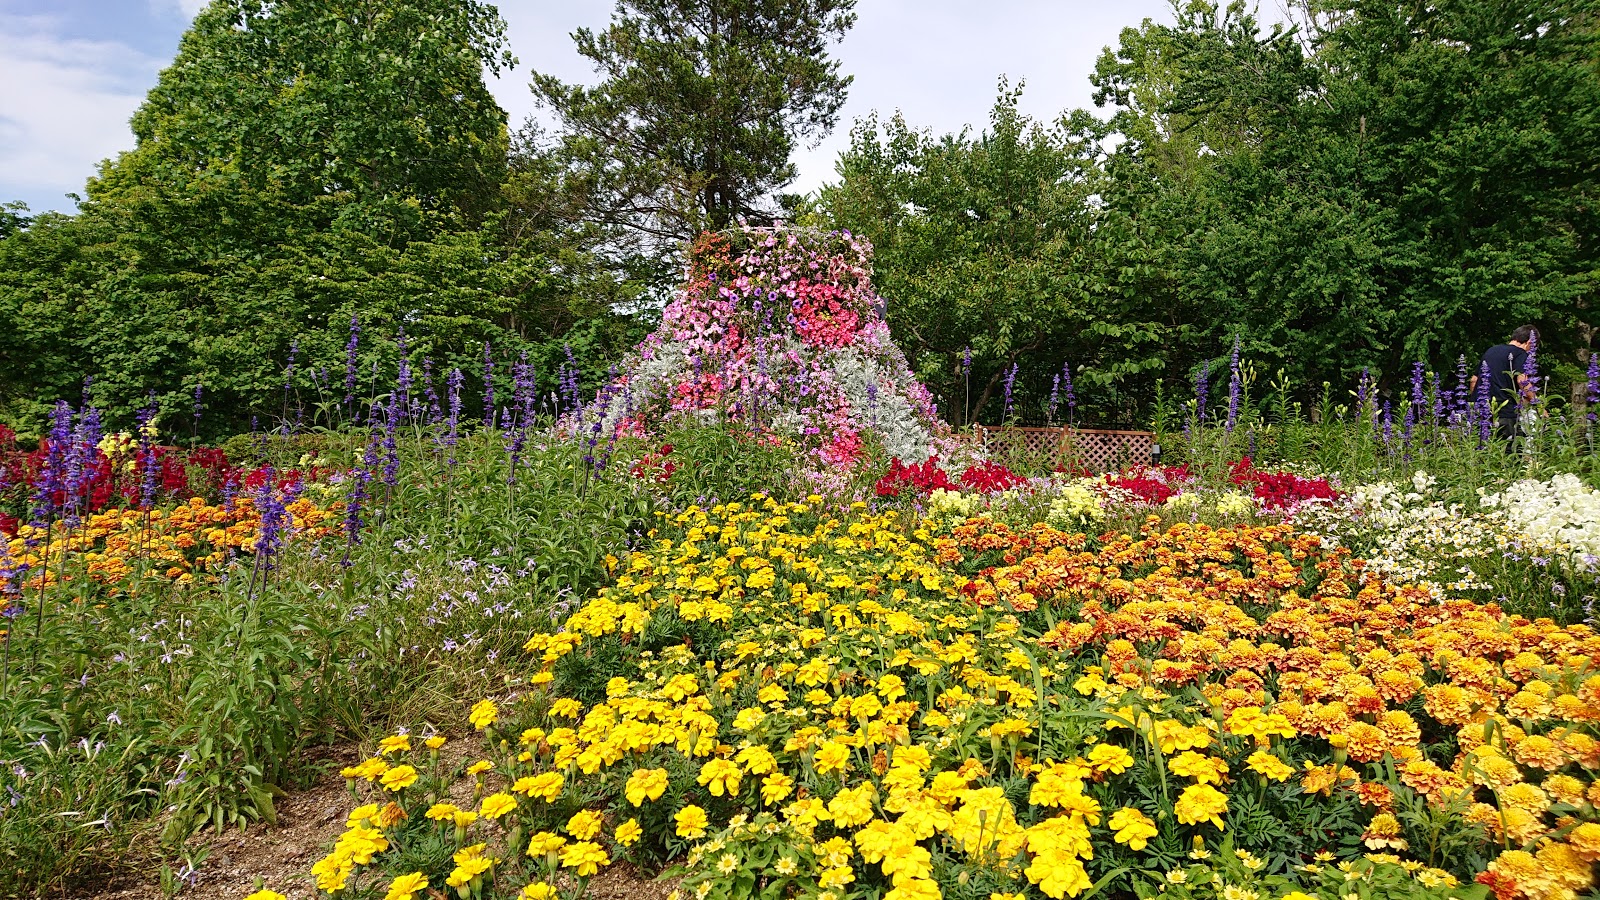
x=779, y=329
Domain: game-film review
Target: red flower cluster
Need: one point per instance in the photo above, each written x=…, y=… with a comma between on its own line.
x=1153, y=485
x=1280, y=490
x=656, y=465
x=988, y=477
x=924, y=478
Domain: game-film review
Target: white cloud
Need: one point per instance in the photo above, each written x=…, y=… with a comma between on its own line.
x=68, y=104
x=186, y=8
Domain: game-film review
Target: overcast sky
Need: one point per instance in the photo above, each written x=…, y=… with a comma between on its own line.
x=73, y=71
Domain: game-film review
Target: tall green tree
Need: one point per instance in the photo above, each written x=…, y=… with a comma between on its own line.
x=309, y=101
x=700, y=106
x=1419, y=183
x=987, y=244
x=300, y=163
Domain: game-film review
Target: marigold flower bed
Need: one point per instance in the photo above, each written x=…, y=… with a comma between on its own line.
x=835, y=706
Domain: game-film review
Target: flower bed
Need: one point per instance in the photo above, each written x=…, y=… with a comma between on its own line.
x=851, y=706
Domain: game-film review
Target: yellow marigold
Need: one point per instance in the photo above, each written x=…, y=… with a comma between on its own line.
x=1585, y=840
x=720, y=777
x=1110, y=759
x=545, y=786
x=363, y=813
x=484, y=713
x=541, y=843
x=480, y=767
x=266, y=895
x=914, y=889
x=539, y=890
x=584, y=824
x=776, y=787
x=628, y=833
x=832, y=756
x=1203, y=769
x=691, y=821
x=399, y=778
x=1383, y=831
x=406, y=887
x=367, y=770
x=1202, y=803
x=646, y=784
x=434, y=742
x=469, y=869
x=441, y=811
x=496, y=805
x=852, y=807
x=1132, y=827
x=1269, y=766
x=394, y=744
x=585, y=856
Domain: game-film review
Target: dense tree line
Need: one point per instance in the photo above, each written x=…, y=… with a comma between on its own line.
x=1379, y=184
x=1382, y=184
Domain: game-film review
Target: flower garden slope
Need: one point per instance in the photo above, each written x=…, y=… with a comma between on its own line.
x=851, y=706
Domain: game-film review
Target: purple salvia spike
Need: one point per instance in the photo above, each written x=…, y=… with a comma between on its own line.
x=1593, y=394
x=488, y=385
x=351, y=366
x=453, y=399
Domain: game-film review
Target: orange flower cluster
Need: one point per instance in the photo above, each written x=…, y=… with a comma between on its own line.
x=1271, y=626
x=111, y=546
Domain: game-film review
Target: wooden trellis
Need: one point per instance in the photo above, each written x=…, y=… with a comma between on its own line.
x=1098, y=450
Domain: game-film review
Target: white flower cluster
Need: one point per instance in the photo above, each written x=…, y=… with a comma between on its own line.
x=1407, y=530
x=1561, y=515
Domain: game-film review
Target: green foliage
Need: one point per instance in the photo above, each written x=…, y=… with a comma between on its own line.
x=355, y=167
x=992, y=242
x=1395, y=183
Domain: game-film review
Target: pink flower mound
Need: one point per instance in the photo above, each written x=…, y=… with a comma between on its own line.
x=779, y=330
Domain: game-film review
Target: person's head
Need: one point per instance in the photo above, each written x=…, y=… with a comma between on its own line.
x=1523, y=334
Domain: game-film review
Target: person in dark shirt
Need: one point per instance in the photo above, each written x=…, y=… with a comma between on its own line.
x=1509, y=387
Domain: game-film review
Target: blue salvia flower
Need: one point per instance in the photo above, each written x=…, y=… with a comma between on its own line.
x=1011, y=379
x=360, y=481
x=1416, y=404
x=572, y=367
x=52, y=473
x=269, y=508
x=351, y=365
x=432, y=413
x=1055, y=400
x=1593, y=395
x=149, y=463
x=1438, y=393
x=1530, y=366
x=1485, y=405
x=966, y=361
x=453, y=399
x=1235, y=387
x=403, y=382
x=1388, y=424
x=81, y=459
x=1072, y=395
x=1463, y=392
x=199, y=391
x=1202, y=386
x=391, y=451
x=488, y=385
